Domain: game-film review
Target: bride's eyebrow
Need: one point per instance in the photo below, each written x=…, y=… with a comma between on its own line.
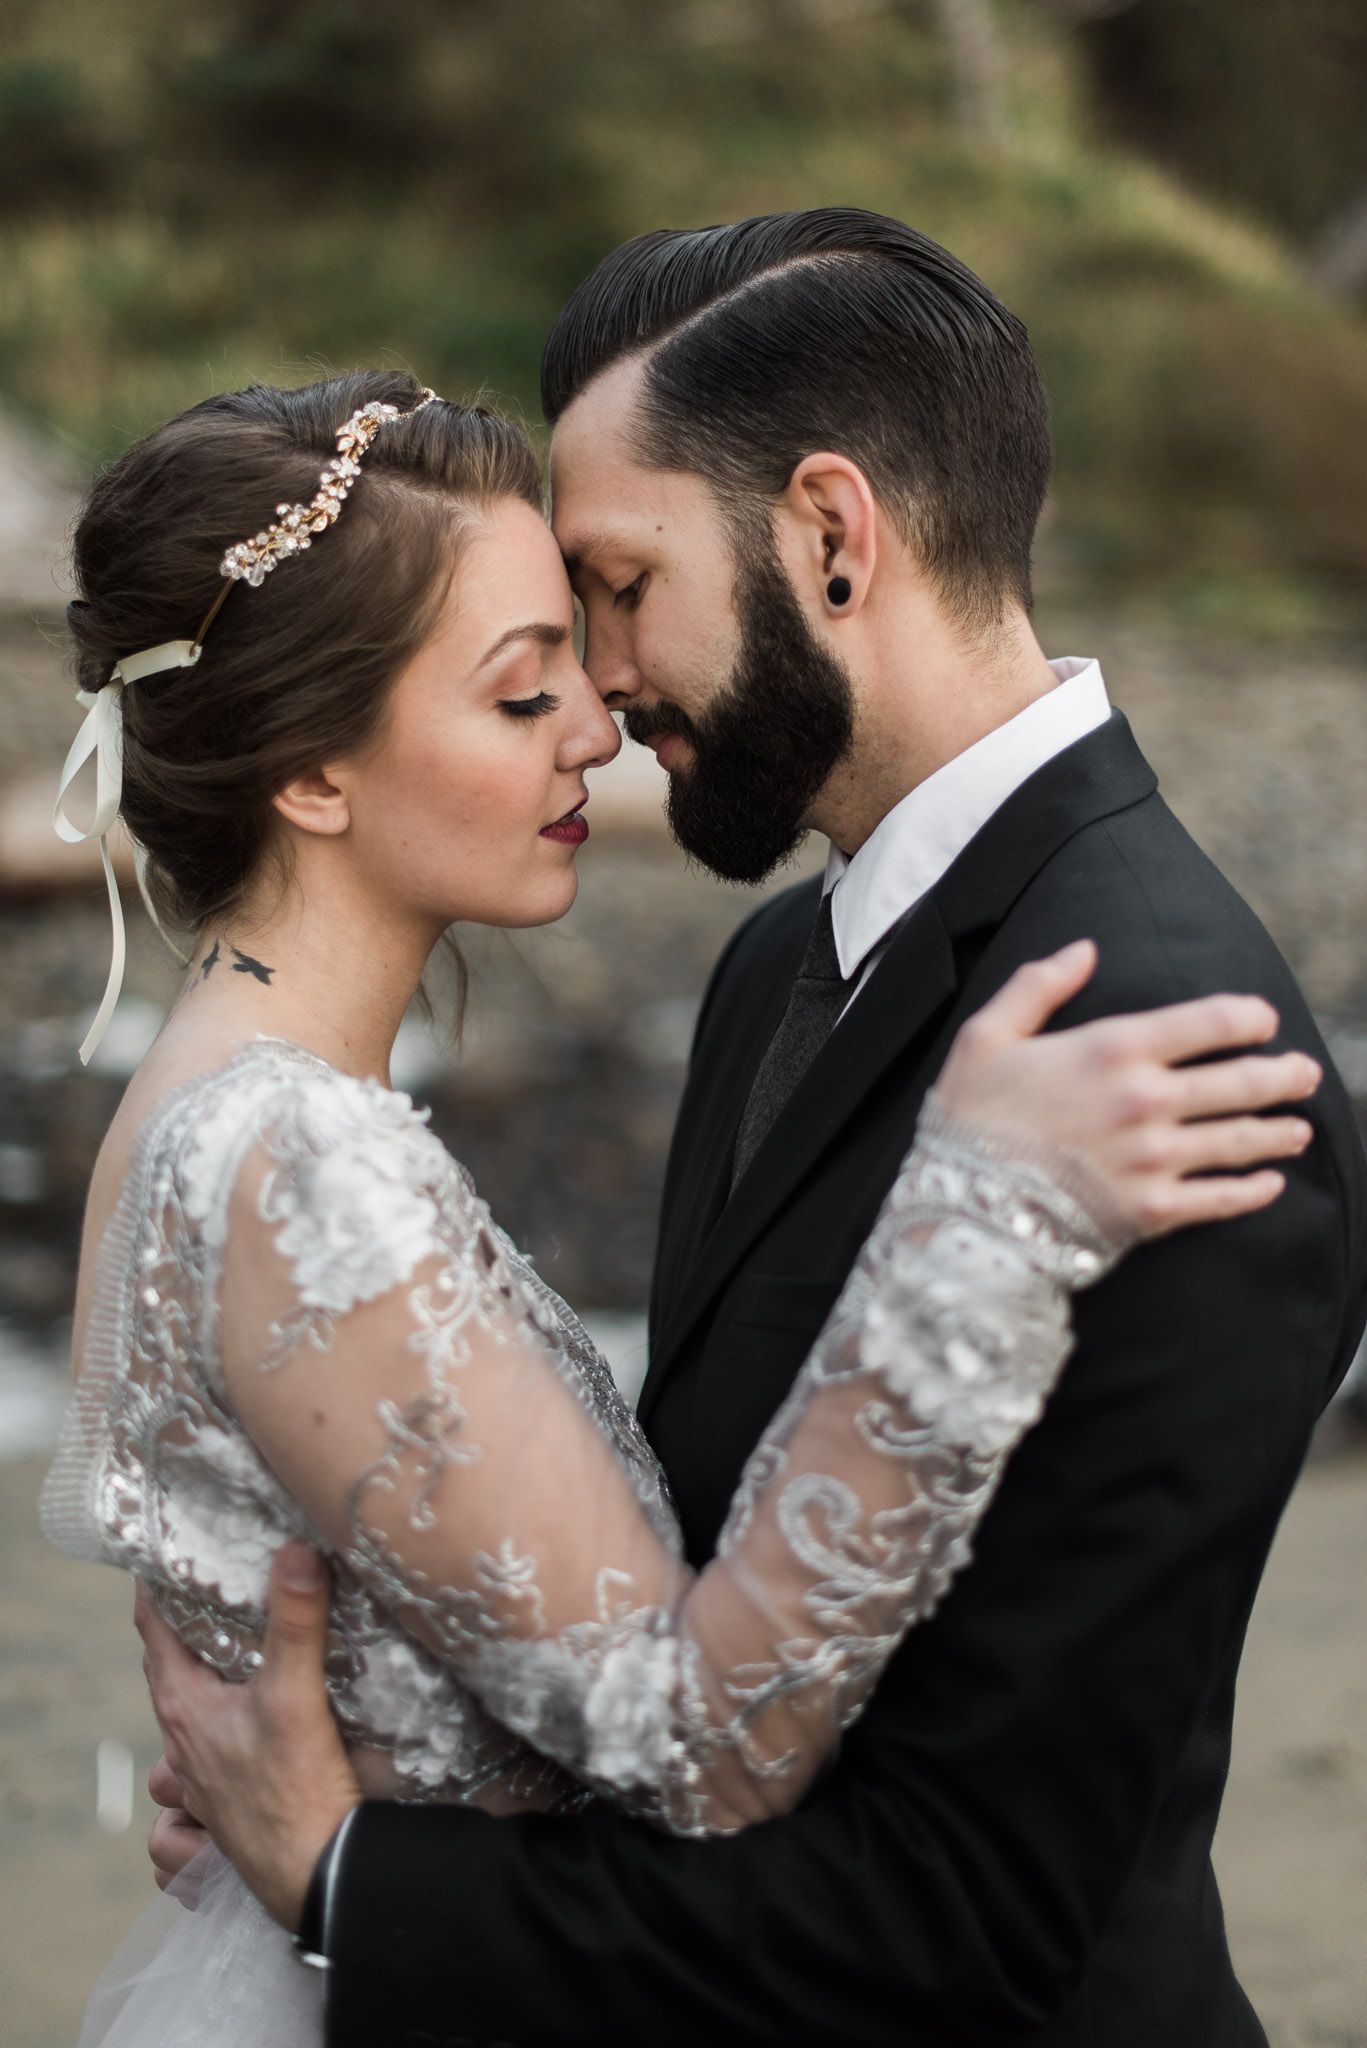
x=541, y=631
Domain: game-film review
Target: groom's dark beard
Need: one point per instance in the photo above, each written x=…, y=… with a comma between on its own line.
x=766, y=743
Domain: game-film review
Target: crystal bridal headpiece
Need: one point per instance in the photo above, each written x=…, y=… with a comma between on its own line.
x=101, y=734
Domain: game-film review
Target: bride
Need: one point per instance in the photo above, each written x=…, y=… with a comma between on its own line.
x=296, y=1318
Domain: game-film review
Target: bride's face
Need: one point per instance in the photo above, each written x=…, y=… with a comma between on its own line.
x=467, y=805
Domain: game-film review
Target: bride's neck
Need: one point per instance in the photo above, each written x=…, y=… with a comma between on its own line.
x=321, y=962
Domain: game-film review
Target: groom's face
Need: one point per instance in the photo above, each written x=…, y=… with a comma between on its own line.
x=698, y=639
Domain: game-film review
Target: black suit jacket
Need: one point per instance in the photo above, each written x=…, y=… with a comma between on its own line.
x=1014, y=1842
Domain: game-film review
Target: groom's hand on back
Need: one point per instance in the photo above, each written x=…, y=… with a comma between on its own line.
x=176, y=1837
x=260, y=1765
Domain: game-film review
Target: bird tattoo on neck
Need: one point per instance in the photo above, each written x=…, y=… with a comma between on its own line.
x=243, y=963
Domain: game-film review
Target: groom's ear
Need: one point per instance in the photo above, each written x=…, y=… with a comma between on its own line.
x=828, y=521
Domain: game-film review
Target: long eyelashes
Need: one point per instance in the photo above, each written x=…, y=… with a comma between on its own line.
x=529, y=707
x=630, y=595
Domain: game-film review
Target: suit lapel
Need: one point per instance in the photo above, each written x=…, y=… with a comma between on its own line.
x=1098, y=776
x=1101, y=774
x=699, y=1174
x=914, y=980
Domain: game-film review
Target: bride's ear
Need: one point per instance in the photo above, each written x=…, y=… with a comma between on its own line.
x=313, y=802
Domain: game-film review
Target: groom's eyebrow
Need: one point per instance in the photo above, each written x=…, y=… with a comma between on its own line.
x=586, y=546
x=539, y=630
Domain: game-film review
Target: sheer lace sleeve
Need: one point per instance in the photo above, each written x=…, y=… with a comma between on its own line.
x=400, y=1371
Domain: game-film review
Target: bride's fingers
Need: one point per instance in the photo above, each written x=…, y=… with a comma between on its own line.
x=1169, y=1199
x=1236, y=1141
x=1184, y=1031
x=1024, y=1004
x=1255, y=1082
x=1176, y=1204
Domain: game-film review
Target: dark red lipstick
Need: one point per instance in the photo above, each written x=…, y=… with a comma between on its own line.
x=571, y=830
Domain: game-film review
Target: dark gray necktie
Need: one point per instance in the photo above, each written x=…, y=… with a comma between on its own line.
x=819, y=995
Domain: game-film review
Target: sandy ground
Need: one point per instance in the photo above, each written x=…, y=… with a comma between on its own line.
x=1292, y=1851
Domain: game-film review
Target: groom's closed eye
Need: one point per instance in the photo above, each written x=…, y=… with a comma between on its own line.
x=631, y=595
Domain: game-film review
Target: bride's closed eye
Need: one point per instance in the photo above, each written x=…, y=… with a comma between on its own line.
x=529, y=707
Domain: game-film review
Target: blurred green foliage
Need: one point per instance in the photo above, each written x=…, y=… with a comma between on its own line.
x=196, y=194
x=1263, y=102
x=51, y=152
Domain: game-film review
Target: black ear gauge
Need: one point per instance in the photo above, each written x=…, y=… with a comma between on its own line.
x=839, y=590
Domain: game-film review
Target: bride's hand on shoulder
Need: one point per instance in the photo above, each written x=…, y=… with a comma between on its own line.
x=1121, y=1095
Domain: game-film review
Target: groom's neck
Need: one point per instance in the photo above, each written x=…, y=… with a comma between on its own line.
x=926, y=689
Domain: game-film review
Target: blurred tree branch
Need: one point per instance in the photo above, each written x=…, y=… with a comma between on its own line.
x=1088, y=10
x=1263, y=102
x=277, y=185
x=1339, y=265
x=979, y=64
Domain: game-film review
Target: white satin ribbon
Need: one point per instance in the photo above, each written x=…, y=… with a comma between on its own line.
x=101, y=734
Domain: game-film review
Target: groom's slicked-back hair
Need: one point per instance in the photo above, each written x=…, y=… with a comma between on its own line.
x=773, y=338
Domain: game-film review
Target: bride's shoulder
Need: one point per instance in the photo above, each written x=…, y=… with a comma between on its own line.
x=330, y=1137
x=343, y=1175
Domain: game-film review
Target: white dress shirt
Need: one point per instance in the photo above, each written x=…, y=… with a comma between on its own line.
x=923, y=835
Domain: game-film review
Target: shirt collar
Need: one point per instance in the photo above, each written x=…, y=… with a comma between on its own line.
x=923, y=835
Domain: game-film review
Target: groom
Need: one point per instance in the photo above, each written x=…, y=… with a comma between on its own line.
x=797, y=468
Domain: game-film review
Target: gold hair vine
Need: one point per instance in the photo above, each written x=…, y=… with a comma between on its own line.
x=251, y=561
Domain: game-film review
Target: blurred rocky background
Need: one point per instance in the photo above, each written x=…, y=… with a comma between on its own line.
x=1174, y=195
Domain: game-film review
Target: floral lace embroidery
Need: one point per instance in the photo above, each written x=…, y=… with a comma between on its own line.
x=940, y=1353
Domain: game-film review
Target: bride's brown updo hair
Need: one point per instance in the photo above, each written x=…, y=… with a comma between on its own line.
x=298, y=671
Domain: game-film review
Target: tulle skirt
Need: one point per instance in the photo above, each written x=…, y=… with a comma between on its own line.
x=206, y=1967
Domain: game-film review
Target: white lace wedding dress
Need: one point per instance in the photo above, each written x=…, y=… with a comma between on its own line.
x=305, y=1323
